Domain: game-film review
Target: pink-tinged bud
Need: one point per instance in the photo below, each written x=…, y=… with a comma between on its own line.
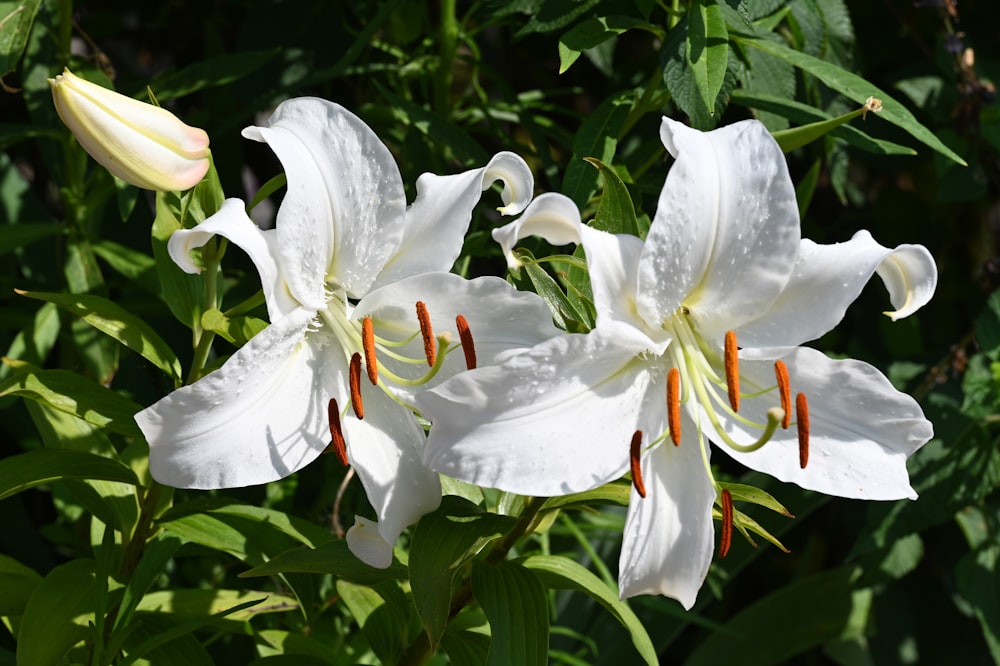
x=140, y=143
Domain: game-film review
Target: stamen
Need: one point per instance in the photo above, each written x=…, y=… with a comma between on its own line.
x=785, y=389
x=633, y=456
x=727, y=523
x=732, y=361
x=427, y=332
x=338, y=445
x=355, y=380
x=802, y=423
x=368, y=344
x=468, y=347
x=674, y=405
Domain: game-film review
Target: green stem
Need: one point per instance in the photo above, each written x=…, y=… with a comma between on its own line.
x=448, y=41
x=203, y=338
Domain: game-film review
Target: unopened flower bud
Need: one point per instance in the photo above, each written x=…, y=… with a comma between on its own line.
x=140, y=143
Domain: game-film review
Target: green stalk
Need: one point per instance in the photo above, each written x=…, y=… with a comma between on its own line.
x=448, y=40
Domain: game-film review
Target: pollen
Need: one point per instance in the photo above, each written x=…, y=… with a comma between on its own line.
x=337, y=446
x=732, y=361
x=674, y=405
x=368, y=344
x=355, y=381
x=785, y=389
x=427, y=332
x=726, y=539
x=802, y=423
x=468, y=346
x=634, y=464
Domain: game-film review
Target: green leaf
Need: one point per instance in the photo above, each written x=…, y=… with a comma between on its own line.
x=978, y=583
x=15, y=26
x=17, y=582
x=707, y=50
x=593, y=32
x=555, y=14
x=615, y=214
x=184, y=294
x=563, y=311
x=113, y=320
x=807, y=187
x=442, y=542
x=136, y=266
x=211, y=72
x=33, y=343
x=332, y=557
x=755, y=495
x=13, y=236
x=73, y=394
x=516, y=606
x=190, y=605
x=57, y=614
x=800, y=616
x=236, y=330
x=617, y=492
x=27, y=470
x=83, y=275
x=381, y=612
x=853, y=87
x=467, y=638
x=597, y=137
x=565, y=574
x=155, y=556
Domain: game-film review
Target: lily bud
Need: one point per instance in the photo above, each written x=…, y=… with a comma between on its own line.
x=140, y=143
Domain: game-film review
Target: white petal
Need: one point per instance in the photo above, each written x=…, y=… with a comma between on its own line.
x=553, y=420
x=828, y=278
x=669, y=535
x=501, y=319
x=385, y=450
x=437, y=221
x=258, y=418
x=342, y=215
x=726, y=231
x=612, y=259
x=364, y=540
x=232, y=222
x=861, y=429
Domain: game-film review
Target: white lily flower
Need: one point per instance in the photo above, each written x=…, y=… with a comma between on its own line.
x=646, y=387
x=342, y=273
x=142, y=144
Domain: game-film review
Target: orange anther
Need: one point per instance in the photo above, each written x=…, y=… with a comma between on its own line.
x=427, y=332
x=727, y=523
x=785, y=390
x=368, y=344
x=732, y=361
x=674, y=405
x=802, y=423
x=468, y=347
x=338, y=445
x=355, y=380
x=634, y=464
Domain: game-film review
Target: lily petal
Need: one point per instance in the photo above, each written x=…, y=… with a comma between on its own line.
x=515, y=425
x=232, y=222
x=828, y=278
x=612, y=259
x=861, y=428
x=258, y=418
x=384, y=450
x=669, y=535
x=364, y=540
x=342, y=215
x=725, y=235
x=437, y=221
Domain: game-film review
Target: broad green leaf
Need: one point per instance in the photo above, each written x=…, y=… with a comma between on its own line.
x=683, y=87
x=13, y=236
x=800, y=616
x=615, y=214
x=189, y=605
x=442, y=542
x=332, y=557
x=563, y=311
x=33, y=343
x=517, y=608
x=136, y=266
x=15, y=26
x=113, y=320
x=17, y=582
x=807, y=187
x=555, y=14
x=594, y=31
x=184, y=294
x=155, y=555
x=792, y=139
x=236, y=330
x=382, y=613
x=27, y=470
x=755, y=495
x=57, y=614
x=707, y=49
x=292, y=648
x=218, y=70
x=467, y=638
x=597, y=137
x=562, y=573
x=187, y=650
x=853, y=87
x=73, y=394
x=617, y=492
x=83, y=275
x=979, y=584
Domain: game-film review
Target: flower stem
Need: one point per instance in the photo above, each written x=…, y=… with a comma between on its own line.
x=448, y=41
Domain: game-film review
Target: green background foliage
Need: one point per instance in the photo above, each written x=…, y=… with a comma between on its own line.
x=98, y=565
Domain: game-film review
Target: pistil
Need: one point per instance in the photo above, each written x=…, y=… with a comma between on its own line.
x=634, y=463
